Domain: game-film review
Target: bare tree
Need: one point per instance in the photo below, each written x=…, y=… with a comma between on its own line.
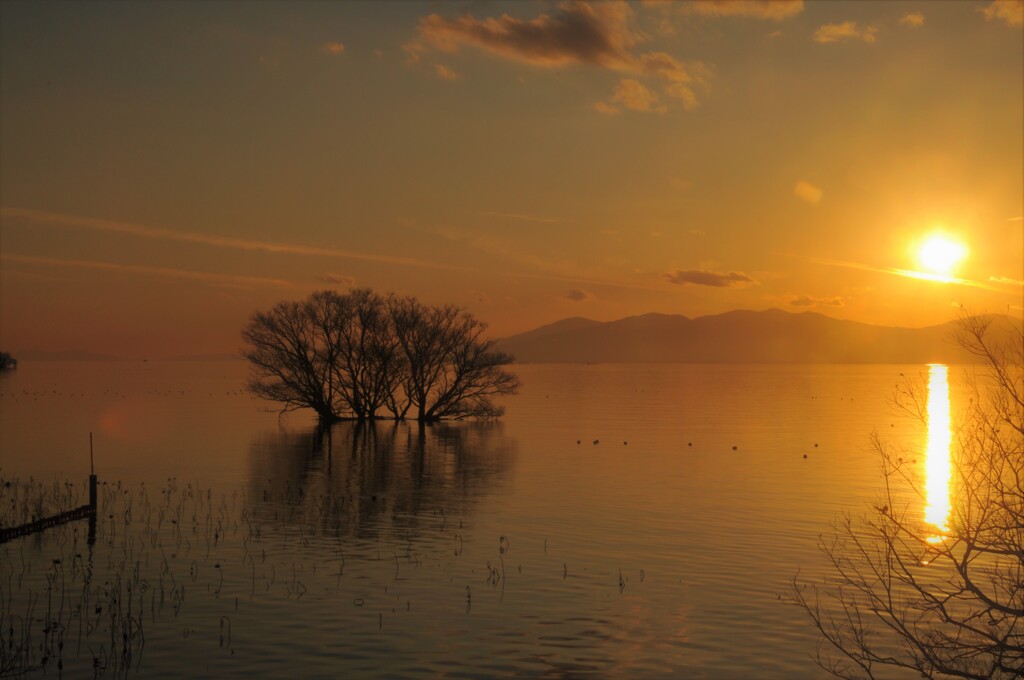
x=293, y=350
x=369, y=364
x=362, y=356
x=452, y=372
x=946, y=605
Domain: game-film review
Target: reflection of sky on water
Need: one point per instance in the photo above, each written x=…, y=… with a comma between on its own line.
x=938, y=466
x=361, y=478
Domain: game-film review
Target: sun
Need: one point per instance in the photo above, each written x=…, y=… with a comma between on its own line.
x=940, y=254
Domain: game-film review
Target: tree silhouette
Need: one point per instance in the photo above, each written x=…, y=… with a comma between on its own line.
x=362, y=356
x=450, y=371
x=952, y=606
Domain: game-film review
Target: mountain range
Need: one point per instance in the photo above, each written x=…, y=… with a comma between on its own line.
x=742, y=336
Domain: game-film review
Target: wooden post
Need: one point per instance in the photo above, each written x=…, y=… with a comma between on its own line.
x=92, y=495
x=92, y=477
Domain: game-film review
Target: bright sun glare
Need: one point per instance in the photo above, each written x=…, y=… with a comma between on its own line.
x=940, y=254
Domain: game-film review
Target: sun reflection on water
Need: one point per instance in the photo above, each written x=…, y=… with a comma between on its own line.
x=938, y=466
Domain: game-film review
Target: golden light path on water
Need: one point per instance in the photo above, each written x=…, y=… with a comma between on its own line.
x=938, y=465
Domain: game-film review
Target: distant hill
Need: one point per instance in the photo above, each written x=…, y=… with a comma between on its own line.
x=770, y=336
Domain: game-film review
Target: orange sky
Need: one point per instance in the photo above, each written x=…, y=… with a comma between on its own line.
x=168, y=168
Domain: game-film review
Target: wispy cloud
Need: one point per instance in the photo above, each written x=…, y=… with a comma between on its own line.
x=810, y=301
x=905, y=273
x=159, y=233
x=1010, y=12
x=847, y=30
x=700, y=277
x=523, y=216
x=912, y=19
x=806, y=191
x=336, y=279
x=144, y=270
x=543, y=269
x=774, y=10
x=635, y=96
x=446, y=73
x=1007, y=281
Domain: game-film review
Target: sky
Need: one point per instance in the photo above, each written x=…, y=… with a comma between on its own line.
x=167, y=169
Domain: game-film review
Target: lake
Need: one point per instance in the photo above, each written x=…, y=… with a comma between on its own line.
x=619, y=521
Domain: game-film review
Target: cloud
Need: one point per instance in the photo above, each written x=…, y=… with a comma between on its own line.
x=905, y=273
x=773, y=10
x=1007, y=281
x=1010, y=12
x=912, y=19
x=848, y=30
x=336, y=279
x=808, y=301
x=576, y=33
x=808, y=192
x=578, y=295
x=565, y=271
x=635, y=96
x=523, y=216
x=607, y=109
x=111, y=226
x=700, y=277
x=159, y=272
x=683, y=93
x=446, y=73
x=332, y=47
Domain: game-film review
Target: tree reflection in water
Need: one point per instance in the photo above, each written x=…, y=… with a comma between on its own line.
x=371, y=478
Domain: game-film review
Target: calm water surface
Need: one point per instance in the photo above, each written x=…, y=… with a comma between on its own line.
x=620, y=521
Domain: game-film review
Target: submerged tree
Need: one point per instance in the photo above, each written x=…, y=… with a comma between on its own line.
x=941, y=603
x=361, y=356
x=450, y=371
x=293, y=350
x=7, y=362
